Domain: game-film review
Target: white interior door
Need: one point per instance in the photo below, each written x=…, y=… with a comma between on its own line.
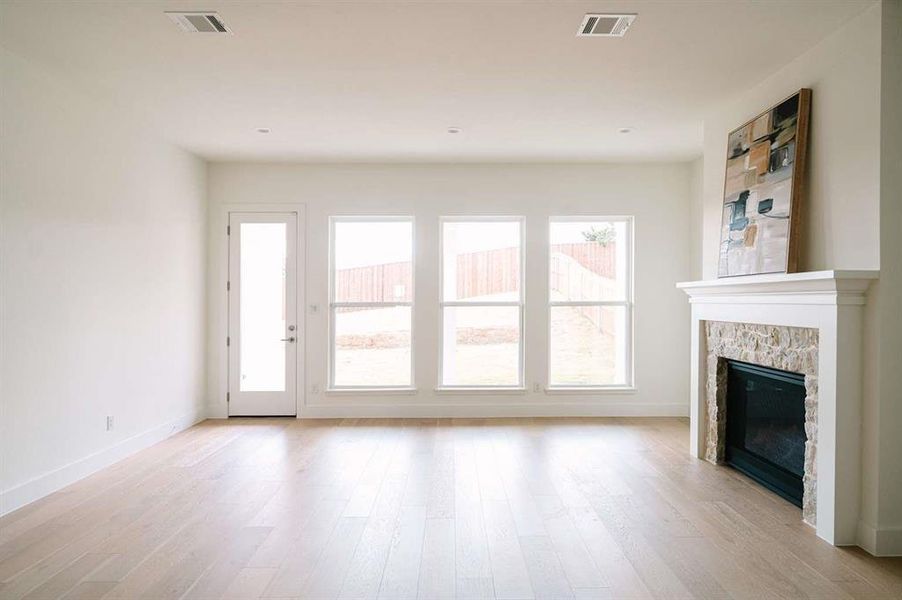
x=264, y=333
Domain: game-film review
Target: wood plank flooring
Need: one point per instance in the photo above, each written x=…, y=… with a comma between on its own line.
x=426, y=508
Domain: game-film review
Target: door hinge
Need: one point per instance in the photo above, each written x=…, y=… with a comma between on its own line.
x=228, y=340
x=228, y=230
x=228, y=399
x=228, y=286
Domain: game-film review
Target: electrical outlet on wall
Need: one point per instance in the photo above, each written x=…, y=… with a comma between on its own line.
x=314, y=388
x=537, y=387
x=109, y=423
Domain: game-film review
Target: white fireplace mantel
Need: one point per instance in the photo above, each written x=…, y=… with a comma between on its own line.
x=831, y=302
x=815, y=287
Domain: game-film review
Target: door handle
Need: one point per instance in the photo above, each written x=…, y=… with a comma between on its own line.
x=290, y=340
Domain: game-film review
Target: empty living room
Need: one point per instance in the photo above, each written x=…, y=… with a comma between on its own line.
x=451, y=299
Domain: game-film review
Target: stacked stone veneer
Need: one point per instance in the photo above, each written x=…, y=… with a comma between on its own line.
x=788, y=348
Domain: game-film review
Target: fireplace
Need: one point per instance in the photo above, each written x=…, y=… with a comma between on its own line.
x=808, y=323
x=765, y=429
x=765, y=350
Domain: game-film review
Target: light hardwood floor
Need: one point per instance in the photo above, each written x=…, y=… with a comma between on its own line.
x=475, y=508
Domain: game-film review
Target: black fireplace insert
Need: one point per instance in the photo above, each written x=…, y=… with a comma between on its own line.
x=766, y=426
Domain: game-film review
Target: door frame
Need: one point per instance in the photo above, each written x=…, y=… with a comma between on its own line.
x=218, y=339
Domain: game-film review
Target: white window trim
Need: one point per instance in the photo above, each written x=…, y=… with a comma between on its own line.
x=521, y=304
x=628, y=303
x=332, y=388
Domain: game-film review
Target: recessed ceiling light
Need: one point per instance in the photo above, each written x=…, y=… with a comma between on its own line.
x=625, y=130
x=454, y=130
x=263, y=130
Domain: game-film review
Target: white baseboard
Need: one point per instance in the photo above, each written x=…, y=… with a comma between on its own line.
x=886, y=541
x=43, y=485
x=386, y=406
x=471, y=410
x=217, y=411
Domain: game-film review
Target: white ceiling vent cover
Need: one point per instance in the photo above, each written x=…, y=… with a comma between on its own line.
x=605, y=25
x=198, y=22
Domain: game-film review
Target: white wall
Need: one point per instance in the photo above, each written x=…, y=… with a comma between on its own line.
x=657, y=195
x=889, y=293
x=696, y=210
x=841, y=217
x=102, y=258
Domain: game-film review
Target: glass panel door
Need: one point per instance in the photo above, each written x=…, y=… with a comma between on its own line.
x=263, y=333
x=262, y=354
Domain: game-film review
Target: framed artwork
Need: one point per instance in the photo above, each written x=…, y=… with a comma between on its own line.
x=764, y=189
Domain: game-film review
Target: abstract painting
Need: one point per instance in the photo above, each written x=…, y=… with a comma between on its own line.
x=764, y=189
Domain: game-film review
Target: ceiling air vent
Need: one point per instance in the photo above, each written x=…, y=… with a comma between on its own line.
x=199, y=22
x=605, y=25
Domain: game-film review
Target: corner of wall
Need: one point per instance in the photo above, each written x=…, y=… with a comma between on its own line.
x=696, y=214
x=888, y=317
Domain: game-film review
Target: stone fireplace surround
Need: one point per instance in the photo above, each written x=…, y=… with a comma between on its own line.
x=808, y=323
x=791, y=349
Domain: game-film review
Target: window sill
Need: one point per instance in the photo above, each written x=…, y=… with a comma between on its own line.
x=391, y=391
x=591, y=389
x=479, y=390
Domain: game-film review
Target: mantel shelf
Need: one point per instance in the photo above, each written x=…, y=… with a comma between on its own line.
x=815, y=287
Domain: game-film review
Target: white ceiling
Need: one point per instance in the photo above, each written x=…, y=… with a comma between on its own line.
x=382, y=81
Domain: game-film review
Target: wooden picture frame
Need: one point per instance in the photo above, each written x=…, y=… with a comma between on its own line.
x=765, y=184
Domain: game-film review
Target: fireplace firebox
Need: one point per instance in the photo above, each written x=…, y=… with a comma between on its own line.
x=765, y=429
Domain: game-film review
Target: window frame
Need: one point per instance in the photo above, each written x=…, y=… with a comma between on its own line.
x=520, y=303
x=333, y=304
x=628, y=303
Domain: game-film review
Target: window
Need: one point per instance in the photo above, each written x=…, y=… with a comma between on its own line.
x=482, y=302
x=590, y=302
x=371, y=302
